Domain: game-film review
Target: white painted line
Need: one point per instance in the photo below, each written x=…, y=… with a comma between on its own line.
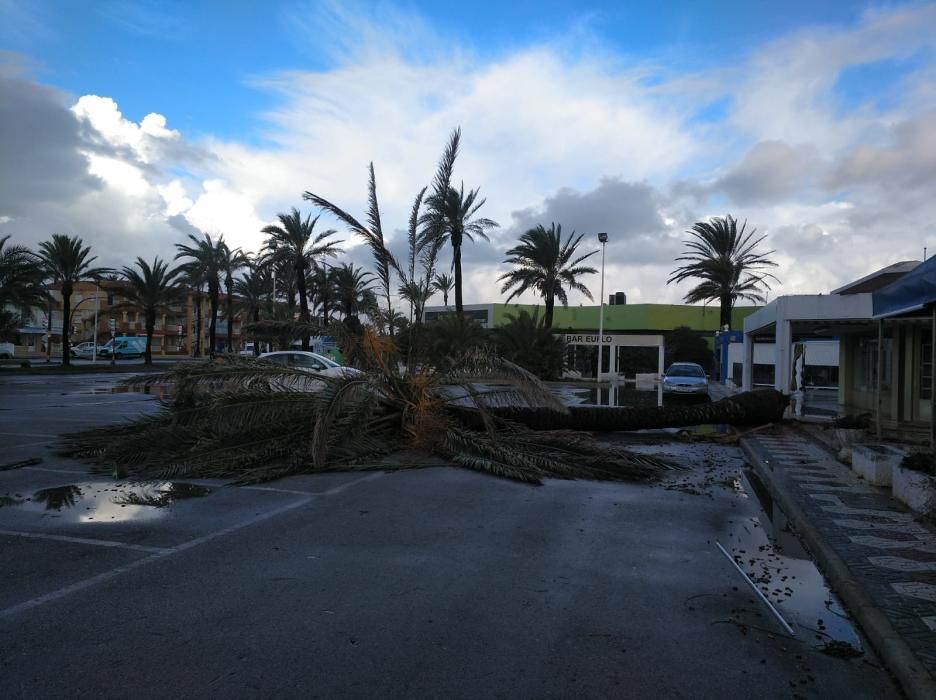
x=26, y=444
x=42, y=435
x=330, y=492
x=55, y=471
x=117, y=571
x=84, y=540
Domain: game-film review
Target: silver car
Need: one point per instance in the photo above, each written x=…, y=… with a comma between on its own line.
x=685, y=378
x=310, y=362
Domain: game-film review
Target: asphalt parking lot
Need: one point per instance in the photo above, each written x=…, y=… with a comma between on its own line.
x=430, y=583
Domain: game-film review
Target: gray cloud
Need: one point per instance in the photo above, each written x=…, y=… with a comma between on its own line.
x=772, y=171
x=39, y=148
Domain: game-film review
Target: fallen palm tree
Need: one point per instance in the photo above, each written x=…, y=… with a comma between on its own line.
x=252, y=421
x=745, y=409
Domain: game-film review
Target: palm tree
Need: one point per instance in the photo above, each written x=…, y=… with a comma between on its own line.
x=352, y=287
x=292, y=239
x=152, y=288
x=450, y=214
x=230, y=260
x=723, y=257
x=66, y=261
x=372, y=234
x=544, y=264
x=21, y=287
x=205, y=262
x=252, y=289
x=190, y=277
x=443, y=283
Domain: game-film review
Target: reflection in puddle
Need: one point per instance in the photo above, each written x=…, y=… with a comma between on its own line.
x=777, y=563
x=615, y=395
x=157, y=390
x=105, y=501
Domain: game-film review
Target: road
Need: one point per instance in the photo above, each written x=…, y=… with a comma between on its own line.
x=431, y=583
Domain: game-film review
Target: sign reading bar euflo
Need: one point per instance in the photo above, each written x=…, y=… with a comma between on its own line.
x=574, y=339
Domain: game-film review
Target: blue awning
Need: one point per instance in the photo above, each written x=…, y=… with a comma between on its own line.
x=912, y=292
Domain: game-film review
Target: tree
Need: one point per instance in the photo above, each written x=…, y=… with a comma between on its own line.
x=294, y=239
x=544, y=264
x=21, y=288
x=685, y=345
x=451, y=214
x=528, y=342
x=205, y=262
x=252, y=289
x=352, y=288
x=230, y=260
x=152, y=288
x=66, y=261
x=372, y=234
x=723, y=257
x=190, y=276
x=443, y=283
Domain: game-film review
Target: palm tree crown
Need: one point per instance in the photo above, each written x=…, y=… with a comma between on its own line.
x=722, y=256
x=21, y=279
x=150, y=287
x=451, y=214
x=294, y=239
x=443, y=283
x=545, y=264
x=205, y=262
x=66, y=261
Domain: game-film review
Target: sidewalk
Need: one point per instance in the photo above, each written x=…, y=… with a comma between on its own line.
x=878, y=559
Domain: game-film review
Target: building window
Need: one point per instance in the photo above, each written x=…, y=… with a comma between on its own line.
x=867, y=364
x=926, y=370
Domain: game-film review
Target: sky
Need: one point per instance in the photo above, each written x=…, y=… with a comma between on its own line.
x=134, y=124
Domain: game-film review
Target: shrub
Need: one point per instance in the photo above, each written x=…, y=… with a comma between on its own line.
x=525, y=341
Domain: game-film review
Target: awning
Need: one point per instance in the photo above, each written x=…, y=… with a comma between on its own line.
x=912, y=292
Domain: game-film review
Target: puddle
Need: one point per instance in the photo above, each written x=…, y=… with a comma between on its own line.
x=616, y=395
x=157, y=390
x=773, y=557
x=104, y=501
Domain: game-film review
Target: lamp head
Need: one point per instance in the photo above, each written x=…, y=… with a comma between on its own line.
x=603, y=237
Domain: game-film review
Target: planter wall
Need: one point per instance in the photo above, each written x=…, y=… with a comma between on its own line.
x=875, y=463
x=915, y=489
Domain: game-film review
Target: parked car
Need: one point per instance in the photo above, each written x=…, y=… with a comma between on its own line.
x=84, y=350
x=130, y=346
x=310, y=362
x=7, y=351
x=685, y=378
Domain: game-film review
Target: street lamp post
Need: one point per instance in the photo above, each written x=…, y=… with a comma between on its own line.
x=603, y=238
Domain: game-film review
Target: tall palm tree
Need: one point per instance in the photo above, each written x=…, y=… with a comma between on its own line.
x=190, y=277
x=443, y=283
x=252, y=289
x=545, y=264
x=21, y=288
x=205, y=261
x=372, y=234
x=66, y=261
x=230, y=260
x=294, y=239
x=723, y=257
x=352, y=287
x=152, y=288
x=451, y=214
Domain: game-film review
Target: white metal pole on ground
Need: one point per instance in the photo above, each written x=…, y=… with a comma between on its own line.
x=603, y=237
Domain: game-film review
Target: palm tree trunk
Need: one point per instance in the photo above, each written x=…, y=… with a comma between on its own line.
x=213, y=320
x=66, y=323
x=548, y=318
x=456, y=264
x=148, y=354
x=303, y=301
x=230, y=319
x=749, y=408
x=725, y=315
x=256, y=318
x=198, y=324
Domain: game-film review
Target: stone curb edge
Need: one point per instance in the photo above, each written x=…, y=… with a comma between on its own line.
x=913, y=677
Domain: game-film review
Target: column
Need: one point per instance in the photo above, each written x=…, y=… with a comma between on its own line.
x=747, y=368
x=660, y=369
x=782, y=341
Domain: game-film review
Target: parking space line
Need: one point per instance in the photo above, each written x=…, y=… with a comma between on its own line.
x=117, y=571
x=56, y=471
x=331, y=492
x=42, y=435
x=84, y=540
x=26, y=444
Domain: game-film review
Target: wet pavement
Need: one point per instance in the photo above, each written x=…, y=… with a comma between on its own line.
x=436, y=582
x=890, y=553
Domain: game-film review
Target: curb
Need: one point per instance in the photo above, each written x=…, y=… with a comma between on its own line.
x=913, y=677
